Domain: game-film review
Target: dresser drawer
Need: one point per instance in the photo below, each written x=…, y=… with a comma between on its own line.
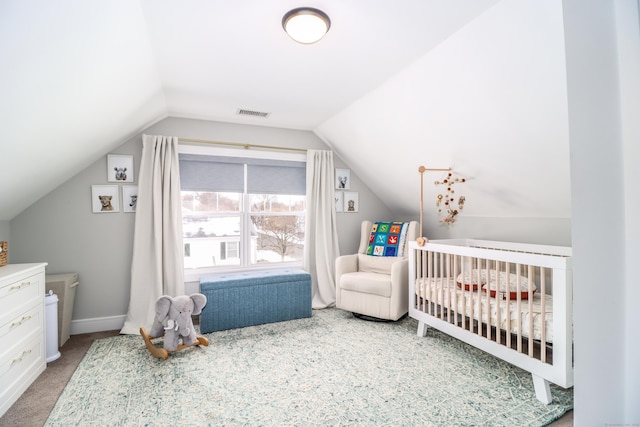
x=20, y=294
x=24, y=361
x=19, y=327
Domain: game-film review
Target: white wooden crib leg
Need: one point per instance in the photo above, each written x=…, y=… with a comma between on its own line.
x=543, y=391
x=422, y=329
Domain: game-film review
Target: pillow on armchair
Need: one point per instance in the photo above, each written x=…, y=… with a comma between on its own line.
x=387, y=239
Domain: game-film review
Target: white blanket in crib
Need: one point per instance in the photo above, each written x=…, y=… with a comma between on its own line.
x=472, y=303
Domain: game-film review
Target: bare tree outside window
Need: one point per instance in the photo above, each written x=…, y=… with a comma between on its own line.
x=281, y=234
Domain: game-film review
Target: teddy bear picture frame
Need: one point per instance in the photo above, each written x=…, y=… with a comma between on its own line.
x=119, y=168
x=105, y=199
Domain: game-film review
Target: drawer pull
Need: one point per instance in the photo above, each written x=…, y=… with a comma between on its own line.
x=20, y=286
x=19, y=359
x=20, y=322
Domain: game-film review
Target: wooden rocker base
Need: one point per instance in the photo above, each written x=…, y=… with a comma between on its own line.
x=163, y=353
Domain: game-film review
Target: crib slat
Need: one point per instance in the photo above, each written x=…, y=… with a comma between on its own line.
x=531, y=277
x=441, y=257
x=474, y=268
x=543, y=314
x=463, y=302
x=487, y=301
x=419, y=276
x=507, y=267
x=518, y=305
x=455, y=294
x=429, y=275
x=479, y=298
x=454, y=275
x=498, y=309
x=424, y=275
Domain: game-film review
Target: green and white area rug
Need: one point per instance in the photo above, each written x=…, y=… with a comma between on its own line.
x=330, y=369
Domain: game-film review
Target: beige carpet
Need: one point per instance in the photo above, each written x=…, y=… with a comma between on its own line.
x=34, y=406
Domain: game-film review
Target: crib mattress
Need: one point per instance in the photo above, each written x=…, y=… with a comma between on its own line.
x=446, y=293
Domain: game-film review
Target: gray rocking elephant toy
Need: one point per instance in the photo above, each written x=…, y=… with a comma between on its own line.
x=173, y=320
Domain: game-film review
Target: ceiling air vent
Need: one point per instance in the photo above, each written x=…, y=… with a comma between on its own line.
x=252, y=113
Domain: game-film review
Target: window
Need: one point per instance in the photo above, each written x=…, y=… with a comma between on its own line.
x=242, y=212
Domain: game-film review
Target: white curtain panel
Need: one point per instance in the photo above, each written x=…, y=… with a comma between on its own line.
x=157, y=266
x=321, y=234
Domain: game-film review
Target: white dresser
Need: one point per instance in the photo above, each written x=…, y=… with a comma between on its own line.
x=22, y=333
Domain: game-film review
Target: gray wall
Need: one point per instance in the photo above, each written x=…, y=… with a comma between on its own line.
x=5, y=228
x=542, y=231
x=61, y=229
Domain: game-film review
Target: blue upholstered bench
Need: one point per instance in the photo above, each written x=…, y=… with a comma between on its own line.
x=236, y=300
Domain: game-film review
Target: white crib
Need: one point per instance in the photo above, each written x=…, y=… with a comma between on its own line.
x=512, y=300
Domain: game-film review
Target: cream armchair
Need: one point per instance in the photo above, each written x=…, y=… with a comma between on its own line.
x=374, y=286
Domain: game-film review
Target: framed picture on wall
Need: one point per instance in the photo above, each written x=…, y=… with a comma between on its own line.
x=351, y=202
x=343, y=179
x=119, y=168
x=339, y=199
x=104, y=199
x=129, y=198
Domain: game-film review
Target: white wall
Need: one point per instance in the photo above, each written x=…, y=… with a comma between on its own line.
x=602, y=69
x=61, y=229
x=628, y=38
x=490, y=102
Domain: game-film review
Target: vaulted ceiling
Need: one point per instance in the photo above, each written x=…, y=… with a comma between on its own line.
x=79, y=78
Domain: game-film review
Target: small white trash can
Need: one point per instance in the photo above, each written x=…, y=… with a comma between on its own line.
x=64, y=285
x=51, y=326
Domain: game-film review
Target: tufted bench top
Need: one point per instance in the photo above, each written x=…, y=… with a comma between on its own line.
x=252, y=278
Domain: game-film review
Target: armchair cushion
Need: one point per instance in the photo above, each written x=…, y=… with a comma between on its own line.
x=376, y=264
x=368, y=283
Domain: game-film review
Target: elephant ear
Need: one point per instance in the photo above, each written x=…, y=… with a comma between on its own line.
x=163, y=304
x=199, y=301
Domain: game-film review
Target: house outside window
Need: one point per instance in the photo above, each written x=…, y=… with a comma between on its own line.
x=241, y=212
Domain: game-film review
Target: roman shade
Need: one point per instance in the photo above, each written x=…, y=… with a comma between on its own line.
x=226, y=174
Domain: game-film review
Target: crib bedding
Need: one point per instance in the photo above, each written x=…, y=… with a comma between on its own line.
x=495, y=282
x=464, y=299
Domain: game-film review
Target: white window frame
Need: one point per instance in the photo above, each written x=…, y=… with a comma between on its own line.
x=193, y=274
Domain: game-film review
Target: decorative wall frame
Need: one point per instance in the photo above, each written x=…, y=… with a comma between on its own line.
x=119, y=168
x=350, y=201
x=339, y=199
x=343, y=179
x=129, y=198
x=105, y=199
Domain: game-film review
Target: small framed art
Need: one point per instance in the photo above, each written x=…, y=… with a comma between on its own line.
x=350, y=201
x=129, y=198
x=104, y=199
x=343, y=179
x=119, y=168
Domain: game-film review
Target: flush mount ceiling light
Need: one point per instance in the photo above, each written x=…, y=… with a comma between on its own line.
x=306, y=25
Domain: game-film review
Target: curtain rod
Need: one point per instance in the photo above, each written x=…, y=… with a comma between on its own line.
x=238, y=144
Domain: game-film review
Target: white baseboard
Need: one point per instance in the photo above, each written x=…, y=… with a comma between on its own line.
x=98, y=324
